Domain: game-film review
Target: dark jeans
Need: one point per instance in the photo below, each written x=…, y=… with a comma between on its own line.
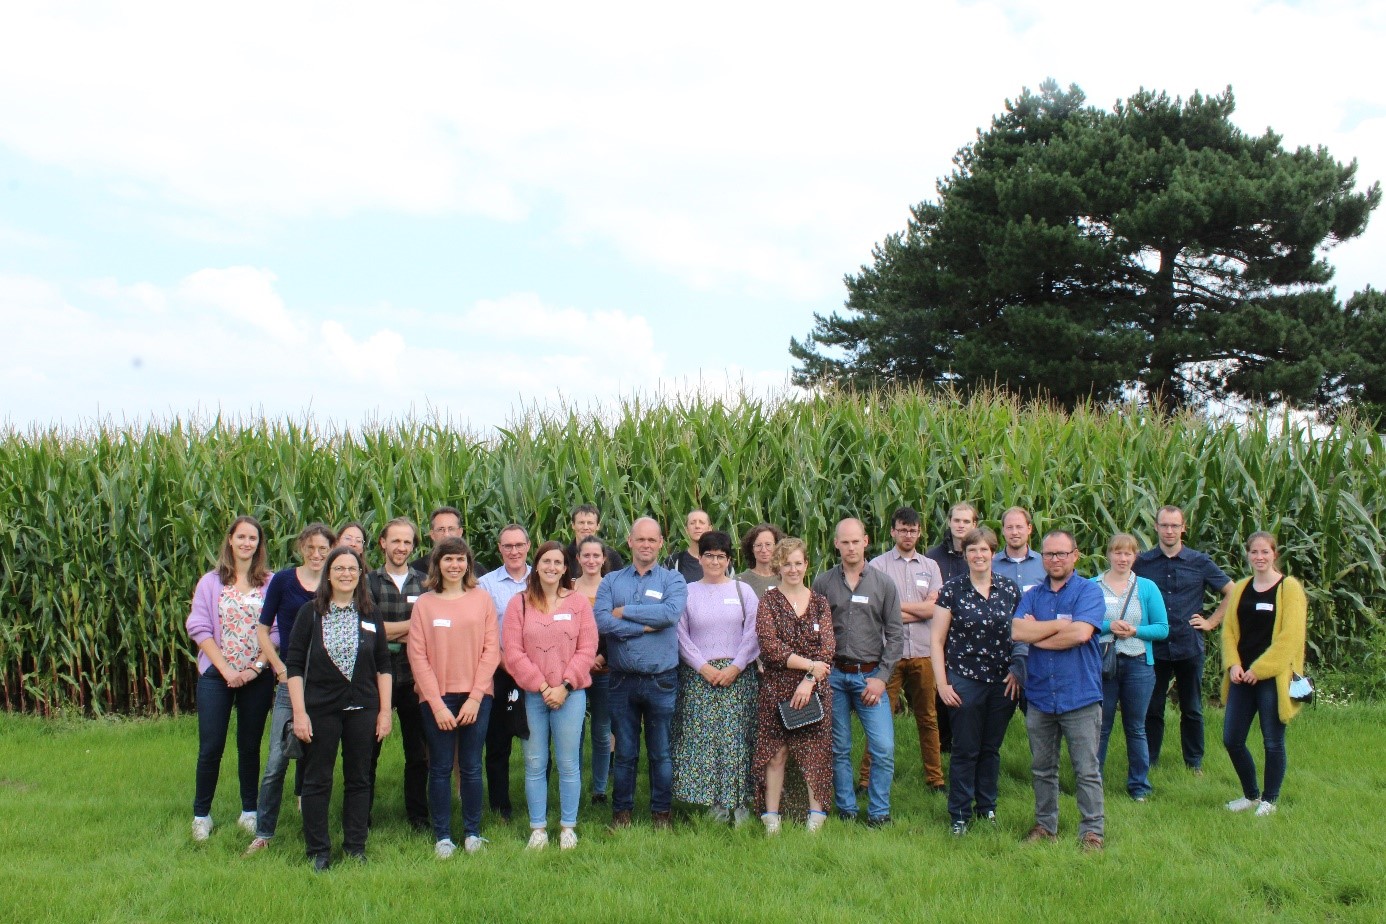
x=215, y=700
x=411, y=734
x=979, y=727
x=1244, y=703
x=1130, y=689
x=647, y=699
x=354, y=730
x=499, y=743
x=1187, y=673
x=599, y=708
x=463, y=742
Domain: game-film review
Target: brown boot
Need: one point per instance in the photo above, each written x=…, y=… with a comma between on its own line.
x=620, y=819
x=662, y=821
x=1039, y=833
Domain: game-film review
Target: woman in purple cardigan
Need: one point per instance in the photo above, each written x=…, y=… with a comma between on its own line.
x=716, y=713
x=232, y=670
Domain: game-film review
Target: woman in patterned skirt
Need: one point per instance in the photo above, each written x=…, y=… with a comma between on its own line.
x=232, y=673
x=795, y=627
x=716, y=712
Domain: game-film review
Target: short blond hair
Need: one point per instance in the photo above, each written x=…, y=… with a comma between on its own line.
x=785, y=548
x=1123, y=542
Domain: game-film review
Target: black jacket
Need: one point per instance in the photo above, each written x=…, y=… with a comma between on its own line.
x=324, y=687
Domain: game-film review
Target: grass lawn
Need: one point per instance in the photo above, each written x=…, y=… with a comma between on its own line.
x=94, y=826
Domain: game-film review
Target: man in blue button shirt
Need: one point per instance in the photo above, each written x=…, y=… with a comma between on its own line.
x=1183, y=577
x=1060, y=618
x=637, y=610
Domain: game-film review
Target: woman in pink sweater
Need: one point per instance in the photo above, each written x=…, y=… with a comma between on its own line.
x=550, y=641
x=454, y=650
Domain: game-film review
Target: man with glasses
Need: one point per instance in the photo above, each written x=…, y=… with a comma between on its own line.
x=1060, y=619
x=1182, y=575
x=507, y=704
x=917, y=580
x=443, y=523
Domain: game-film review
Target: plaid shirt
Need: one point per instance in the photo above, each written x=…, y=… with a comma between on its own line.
x=394, y=605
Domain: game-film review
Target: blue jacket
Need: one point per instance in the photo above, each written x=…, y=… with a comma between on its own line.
x=1154, y=625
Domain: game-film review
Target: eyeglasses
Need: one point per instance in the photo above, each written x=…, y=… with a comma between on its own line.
x=514, y=546
x=1058, y=556
x=345, y=569
x=714, y=556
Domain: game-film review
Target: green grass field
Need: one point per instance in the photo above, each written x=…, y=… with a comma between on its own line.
x=94, y=826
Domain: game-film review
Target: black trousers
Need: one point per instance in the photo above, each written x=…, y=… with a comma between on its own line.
x=354, y=731
x=499, y=739
x=411, y=733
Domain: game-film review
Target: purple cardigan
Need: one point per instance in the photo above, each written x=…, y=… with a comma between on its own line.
x=719, y=621
x=204, y=622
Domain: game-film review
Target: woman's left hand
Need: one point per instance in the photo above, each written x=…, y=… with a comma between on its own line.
x=555, y=697
x=729, y=674
x=1123, y=629
x=382, y=724
x=1249, y=677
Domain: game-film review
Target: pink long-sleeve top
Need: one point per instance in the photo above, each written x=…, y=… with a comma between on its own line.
x=204, y=620
x=719, y=621
x=549, y=648
x=454, y=646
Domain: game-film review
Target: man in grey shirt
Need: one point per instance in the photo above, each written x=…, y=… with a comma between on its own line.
x=870, y=638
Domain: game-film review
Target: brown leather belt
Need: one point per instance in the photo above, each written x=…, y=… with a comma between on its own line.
x=855, y=667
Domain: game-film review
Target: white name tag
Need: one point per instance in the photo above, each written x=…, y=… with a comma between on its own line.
x=771, y=587
x=412, y=598
x=858, y=598
x=1026, y=587
x=815, y=627
x=921, y=583
x=654, y=593
x=368, y=626
x=442, y=623
x=1068, y=616
x=1268, y=607
x=731, y=601
x=562, y=617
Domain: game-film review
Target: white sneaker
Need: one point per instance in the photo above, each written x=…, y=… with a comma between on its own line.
x=202, y=827
x=719, y=813
x=1242, y=804
x=1264, y=809
x=567, y=839
x=816, y=820
x=444, y=848
x=771, y=820
x=474, y=844
x=247, y=822
x=740, y=815
x=538, y=839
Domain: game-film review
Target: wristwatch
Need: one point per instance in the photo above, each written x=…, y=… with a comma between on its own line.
x=567, y=686
x=259, y=667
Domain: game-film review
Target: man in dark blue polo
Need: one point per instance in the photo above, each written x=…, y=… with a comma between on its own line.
x=1183, y=577
x=637, y=610
x=1060, y=619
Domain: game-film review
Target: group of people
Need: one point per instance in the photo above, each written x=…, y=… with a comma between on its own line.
x=741, y=685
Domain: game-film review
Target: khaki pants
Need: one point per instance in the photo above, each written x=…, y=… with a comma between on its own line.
x=915, y=676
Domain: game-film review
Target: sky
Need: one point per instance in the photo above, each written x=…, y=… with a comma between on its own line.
x=354, y=212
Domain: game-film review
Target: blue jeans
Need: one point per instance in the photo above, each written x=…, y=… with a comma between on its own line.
x=564, y=727
x=647, y=699
x=599, y=704
x=1187, y=673
x=1131, y=688
x=464, y=743
x=979, y=728
x=1244, y=703
x=879, y=726
x=215, y=700
x=276, y=764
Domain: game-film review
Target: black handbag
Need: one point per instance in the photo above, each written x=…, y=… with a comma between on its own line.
x=806, y=715
x=293, y=746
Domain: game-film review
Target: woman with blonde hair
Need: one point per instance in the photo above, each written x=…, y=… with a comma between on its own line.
x=1262, y=651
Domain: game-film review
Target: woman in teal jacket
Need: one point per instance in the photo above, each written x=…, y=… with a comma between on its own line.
x=1135, y=617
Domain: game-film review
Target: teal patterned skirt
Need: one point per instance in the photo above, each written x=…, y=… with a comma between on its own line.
x=713, y=737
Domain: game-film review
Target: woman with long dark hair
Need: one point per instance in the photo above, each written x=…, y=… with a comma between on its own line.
x=549, y=643
x=231, y=673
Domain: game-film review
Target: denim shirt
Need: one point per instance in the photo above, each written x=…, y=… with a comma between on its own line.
x=655, y=599
x=1062, y=681
x=1025, y=573
x=1182, y=580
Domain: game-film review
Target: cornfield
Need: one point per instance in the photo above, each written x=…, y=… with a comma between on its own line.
x=106, y=531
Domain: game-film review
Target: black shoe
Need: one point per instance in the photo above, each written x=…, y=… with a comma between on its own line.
x=937, y=787
x=356, y=857
x=880, y=821
x=848, y=817
x=322, y=863
x=599, y=798
x=421, y=825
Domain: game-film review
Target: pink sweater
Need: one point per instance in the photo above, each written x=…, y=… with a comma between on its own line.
x=542, y=648
x=453, y=645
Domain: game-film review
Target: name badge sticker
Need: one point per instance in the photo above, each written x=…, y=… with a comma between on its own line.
x=368, y=626
x=654, y=593
x=442, y=623
x=562, y=617
x=412, y=598
x=1266, y=607
x=1065, y=616
x=860, y=598
x=816, y=628
x=730, y=601
x=921, y=582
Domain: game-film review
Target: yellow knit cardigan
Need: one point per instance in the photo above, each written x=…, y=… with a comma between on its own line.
x=1285, y=656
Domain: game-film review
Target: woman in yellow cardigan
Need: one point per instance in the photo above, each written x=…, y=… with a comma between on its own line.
x=1262, y=648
